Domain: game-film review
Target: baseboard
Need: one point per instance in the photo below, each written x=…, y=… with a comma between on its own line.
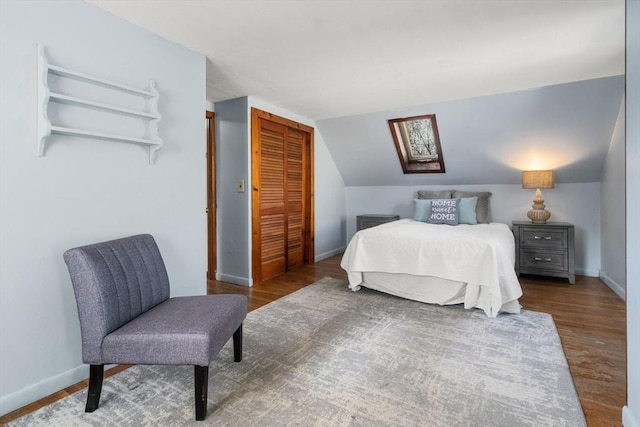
x=628, y=419
x=244, y=281
x=34, y=392
x=249, y=282
x=615, y=286
x=586, y=272
x=329, y=254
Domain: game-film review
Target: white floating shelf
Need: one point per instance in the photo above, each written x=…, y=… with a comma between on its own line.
x=71, y=100
x=45, y=96
x=100, y=135
x=65, y=72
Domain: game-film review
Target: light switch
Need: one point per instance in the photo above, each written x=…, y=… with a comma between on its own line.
x=240, y=186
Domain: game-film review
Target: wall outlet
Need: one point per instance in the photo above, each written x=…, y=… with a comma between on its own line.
x=240, y=186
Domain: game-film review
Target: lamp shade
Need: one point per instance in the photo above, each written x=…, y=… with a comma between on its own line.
x=537, y=179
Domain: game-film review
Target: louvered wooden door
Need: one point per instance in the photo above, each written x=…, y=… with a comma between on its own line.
x=272, y=199
x=295, y=144
x=282, y=221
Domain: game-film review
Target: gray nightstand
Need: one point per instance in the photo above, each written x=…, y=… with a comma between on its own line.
x=368, y=221
x=545, y=249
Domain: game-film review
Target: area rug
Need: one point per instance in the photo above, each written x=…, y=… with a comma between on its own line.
x=327, y=356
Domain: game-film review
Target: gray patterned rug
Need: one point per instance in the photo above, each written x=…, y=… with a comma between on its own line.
x=327, y=356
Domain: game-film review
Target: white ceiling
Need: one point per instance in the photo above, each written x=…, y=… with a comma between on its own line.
x=333, y=58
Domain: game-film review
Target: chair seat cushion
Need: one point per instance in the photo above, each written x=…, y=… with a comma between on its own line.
x=180, y=331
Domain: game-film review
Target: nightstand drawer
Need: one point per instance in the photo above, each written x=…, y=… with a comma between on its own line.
x=544, y=260
x=541, y=237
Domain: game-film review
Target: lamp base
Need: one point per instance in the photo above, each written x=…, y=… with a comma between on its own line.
x=538, y=215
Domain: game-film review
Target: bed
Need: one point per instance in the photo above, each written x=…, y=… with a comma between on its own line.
x=439, y=264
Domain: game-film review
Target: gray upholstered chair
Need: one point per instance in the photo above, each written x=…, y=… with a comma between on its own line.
x=127, y=317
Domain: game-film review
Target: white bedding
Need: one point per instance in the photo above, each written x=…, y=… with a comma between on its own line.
x=480, y=258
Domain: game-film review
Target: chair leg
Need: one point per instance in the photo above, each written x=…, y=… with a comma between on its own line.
x=202, y=384
x=96, y=374
x=237, y=344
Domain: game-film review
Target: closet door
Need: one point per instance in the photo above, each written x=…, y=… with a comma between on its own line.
x=282, y=179
x=295, y=148
x=272, y=193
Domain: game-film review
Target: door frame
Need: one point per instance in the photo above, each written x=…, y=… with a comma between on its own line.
x=212, y=247
x=256, y=236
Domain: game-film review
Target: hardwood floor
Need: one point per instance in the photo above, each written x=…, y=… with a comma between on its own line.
x=591, y=322
x=590, y=318
x=280, y=286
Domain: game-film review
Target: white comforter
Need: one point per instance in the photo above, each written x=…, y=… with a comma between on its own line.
x=482, y=256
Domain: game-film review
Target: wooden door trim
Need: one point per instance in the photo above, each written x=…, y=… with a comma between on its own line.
x=280, y=120
x=212, y=247
x=256, y=153
x=309, y=236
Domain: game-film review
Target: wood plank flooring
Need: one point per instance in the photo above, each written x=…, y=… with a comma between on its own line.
x=590, y=318
x=591, y=322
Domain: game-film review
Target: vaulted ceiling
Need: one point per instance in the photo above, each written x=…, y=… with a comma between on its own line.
x=327, y=58
x=489, y=139
x=515, y=85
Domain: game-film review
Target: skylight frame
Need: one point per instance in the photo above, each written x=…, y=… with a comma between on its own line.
x=425, y=154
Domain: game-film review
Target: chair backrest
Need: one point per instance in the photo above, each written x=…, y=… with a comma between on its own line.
x=114, y=282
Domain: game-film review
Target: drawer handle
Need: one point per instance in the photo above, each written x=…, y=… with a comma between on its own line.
x=542, y=259
x=540, y=238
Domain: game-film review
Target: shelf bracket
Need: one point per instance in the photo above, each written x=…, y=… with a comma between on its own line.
x=43, y=124
x=154, y=123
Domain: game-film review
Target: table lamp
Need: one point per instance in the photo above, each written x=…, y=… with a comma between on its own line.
x=538, y=180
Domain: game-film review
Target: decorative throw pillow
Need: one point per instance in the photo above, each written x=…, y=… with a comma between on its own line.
x=467, y=210
x=444, y=211
x=427, y=194
x=421, y=209
x=482, y=206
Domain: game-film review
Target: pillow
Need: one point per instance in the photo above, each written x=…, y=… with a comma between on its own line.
x=444, y=211
x=467, y=210
x=482, y=206
x=421, y=209
x=426, y=194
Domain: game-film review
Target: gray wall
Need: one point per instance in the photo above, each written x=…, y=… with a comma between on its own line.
x=232, y=164
x=490, y=139
x=330, y=204
x=613, y=225
x=85, y=190
x=631, y=413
